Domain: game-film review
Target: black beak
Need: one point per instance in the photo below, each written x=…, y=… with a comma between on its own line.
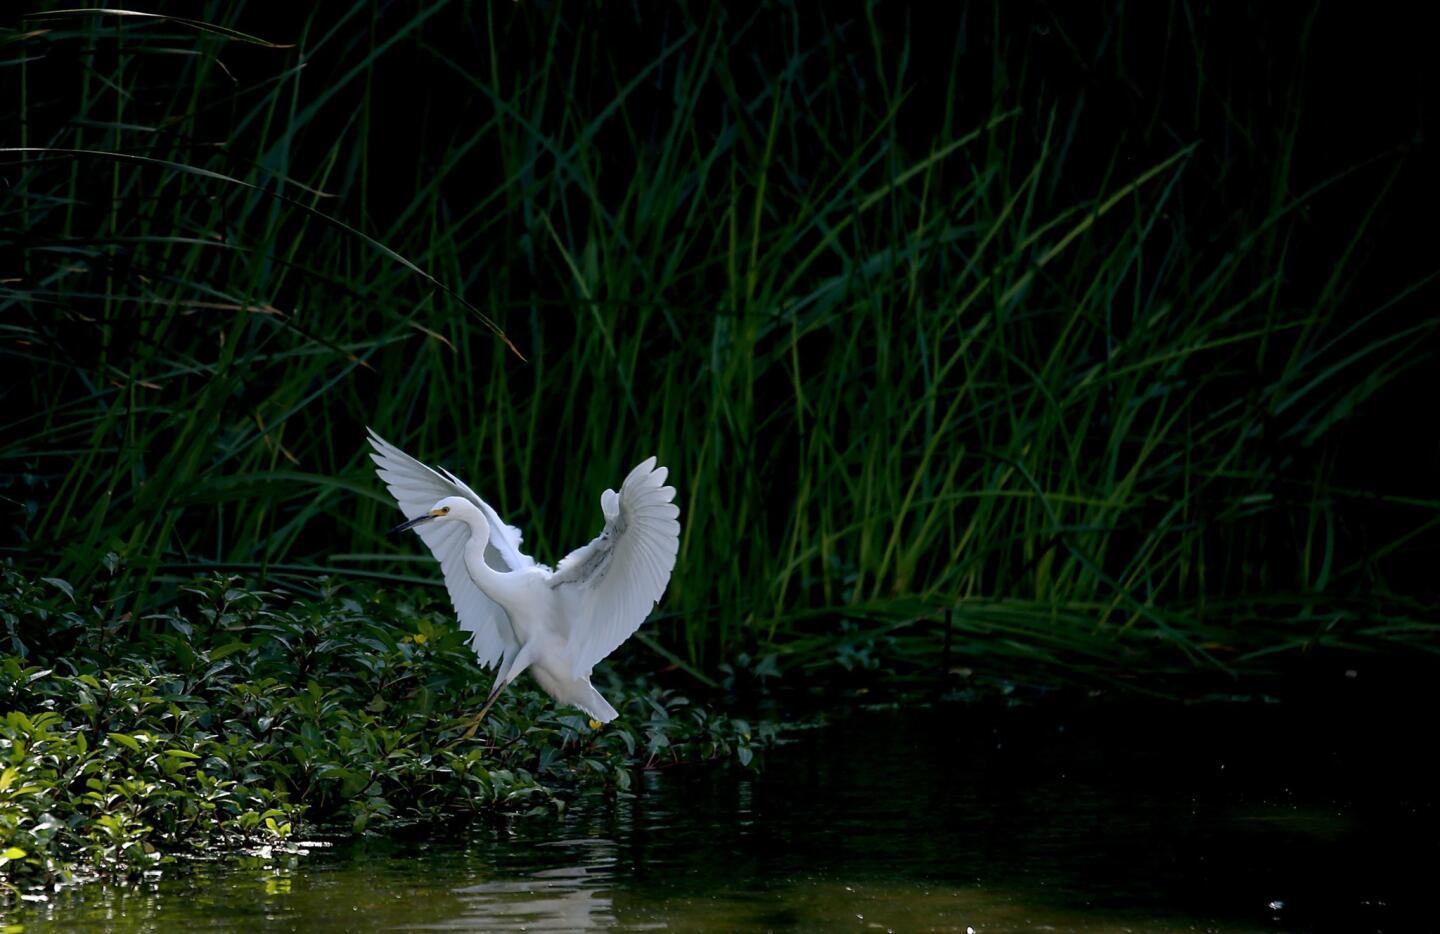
x=410, y=524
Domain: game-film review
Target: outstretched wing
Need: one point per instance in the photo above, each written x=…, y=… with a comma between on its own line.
x=610, y=585
x=417, y=488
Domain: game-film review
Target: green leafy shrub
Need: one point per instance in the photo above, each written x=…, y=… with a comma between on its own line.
x=242, y=718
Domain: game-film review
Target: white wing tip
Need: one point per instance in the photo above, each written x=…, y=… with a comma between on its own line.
x=646, y=471
x=378, y=443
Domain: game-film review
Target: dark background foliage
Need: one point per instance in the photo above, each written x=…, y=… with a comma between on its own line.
x=1104, y=327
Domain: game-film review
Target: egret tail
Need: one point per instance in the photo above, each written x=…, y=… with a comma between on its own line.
x=583, y=695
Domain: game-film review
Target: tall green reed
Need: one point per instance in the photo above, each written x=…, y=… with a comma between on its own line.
x=906, y=346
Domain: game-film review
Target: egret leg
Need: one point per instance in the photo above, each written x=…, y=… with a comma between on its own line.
x=489, y=702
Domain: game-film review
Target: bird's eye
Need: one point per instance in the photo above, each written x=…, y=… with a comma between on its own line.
x=444, y=510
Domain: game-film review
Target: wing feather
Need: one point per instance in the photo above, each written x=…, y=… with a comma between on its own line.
x=416, y=488
x=611, y=584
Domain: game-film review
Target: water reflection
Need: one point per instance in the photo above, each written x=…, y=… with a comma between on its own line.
x=1022, y=822
x=566, y=898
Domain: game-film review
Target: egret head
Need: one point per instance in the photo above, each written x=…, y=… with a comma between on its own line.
x=451, y=507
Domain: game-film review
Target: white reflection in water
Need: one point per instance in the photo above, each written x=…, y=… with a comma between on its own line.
x=560, y=898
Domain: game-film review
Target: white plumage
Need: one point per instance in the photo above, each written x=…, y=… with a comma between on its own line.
x=522, y=615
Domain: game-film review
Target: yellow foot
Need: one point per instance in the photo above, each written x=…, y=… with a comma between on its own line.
x=595, y=724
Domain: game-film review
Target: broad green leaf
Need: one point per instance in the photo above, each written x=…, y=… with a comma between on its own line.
x=127, y=741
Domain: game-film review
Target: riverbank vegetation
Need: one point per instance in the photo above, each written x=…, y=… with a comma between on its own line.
x=246, y=719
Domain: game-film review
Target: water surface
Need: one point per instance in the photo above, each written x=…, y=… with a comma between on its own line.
x=1142, y=819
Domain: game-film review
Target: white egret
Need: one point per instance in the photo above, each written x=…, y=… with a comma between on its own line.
x=555, y=623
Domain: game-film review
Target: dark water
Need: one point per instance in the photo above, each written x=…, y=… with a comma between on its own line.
x=1132, y=819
